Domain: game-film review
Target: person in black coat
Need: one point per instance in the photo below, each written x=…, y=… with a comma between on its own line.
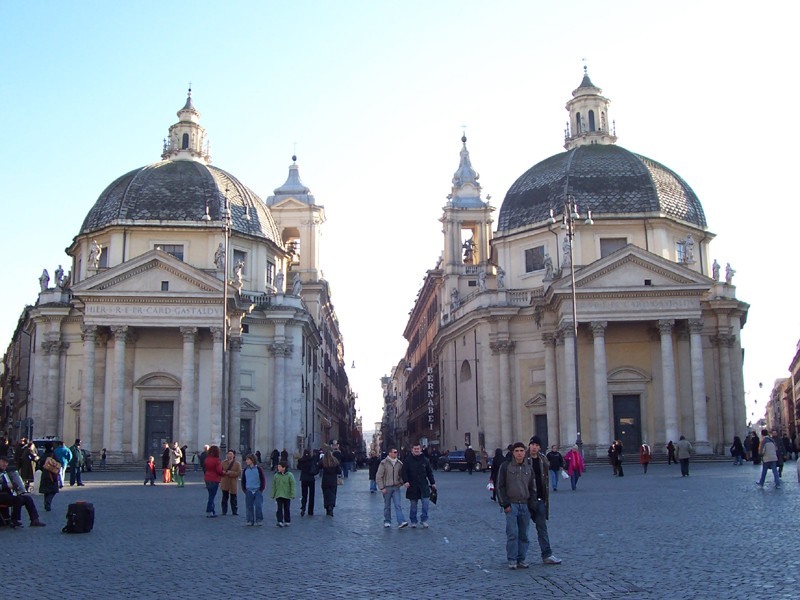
x=372, y=464
x=755, y=444
x=50, y=483
x=308, y=475
x=417, y=474
x=496, y=462
x=329, y=466
x=274, y=457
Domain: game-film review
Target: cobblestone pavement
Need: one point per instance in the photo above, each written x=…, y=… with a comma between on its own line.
x=656, y=536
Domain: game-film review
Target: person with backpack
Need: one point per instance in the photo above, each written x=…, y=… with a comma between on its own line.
x=309, y=469
x=254, y=482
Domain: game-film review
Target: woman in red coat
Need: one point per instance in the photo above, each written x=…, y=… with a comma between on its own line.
x=575, y=465
x=645, y=454
x=212, y=476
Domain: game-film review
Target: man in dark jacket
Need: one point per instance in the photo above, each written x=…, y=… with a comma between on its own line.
x=514, y=488
x=539, y=503
x=76, y=464
x=417, y=474
x=556, y=464
x=470, y=457
x=372, y=463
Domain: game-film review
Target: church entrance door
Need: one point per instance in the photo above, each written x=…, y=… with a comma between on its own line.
x=157, y=427
x=628, y=422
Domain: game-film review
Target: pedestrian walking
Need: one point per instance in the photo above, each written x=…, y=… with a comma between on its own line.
x=611, y=458
x=150, y=471
x=779, y=450
x=284, y=488
x=166, y=462
x=419, y=482
x=254, y=482
x=671, y=453
x=755, y=448
x=496, y=462
x=274, y=457
x=769, y=459
x=575, y=466
x=203, y=456
x=372, y=465
x=231, y=470
x=175, y=457
x=27, y=461
x=103, y=458
x=389, y=478
x=330, y=468
x=309, y=468
x=737, y=451
x=76, y=464
x=63, y=455
x=616, y=454
x=50, y=482
x=212, y=475
x=471, y=458
x=683, y=451
x=556, y=464
x=645, y=455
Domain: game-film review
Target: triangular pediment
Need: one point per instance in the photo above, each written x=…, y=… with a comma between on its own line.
x=289, y=203
x=631, y=268
x=145, y=274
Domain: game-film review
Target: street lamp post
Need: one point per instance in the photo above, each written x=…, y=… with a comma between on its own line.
x=569, y=217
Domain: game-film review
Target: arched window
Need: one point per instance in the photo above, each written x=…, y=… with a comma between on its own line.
x=466, y=372
x=578, y=128
x=591, y=120
x=185, y=142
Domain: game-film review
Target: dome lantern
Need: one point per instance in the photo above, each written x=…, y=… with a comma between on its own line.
x=187, y=138
x=588, y=116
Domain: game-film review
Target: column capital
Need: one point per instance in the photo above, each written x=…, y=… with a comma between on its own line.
x=120, y=332
x=54, y=346
x=665, y=326
x=695, y=326
x=549, y=338
x=217, y=333
x=235, y=344
x=189, y=333
x=567, y=330
x=599, y=328
x=502, y=346
x=89, y=333
x=281, y=349
x=723, y=340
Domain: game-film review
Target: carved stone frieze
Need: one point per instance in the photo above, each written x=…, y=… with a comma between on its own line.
x=502, y=346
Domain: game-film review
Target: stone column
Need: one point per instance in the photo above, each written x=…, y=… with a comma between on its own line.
x=118, y=390
x=668, y=380
x=503, y=348
x=235, y=395
x=551, y=388
x=216, y=386
x=603, y=434
x=87, y=399
x=570, y=427
x=278, y=351
x=725, y=342
x=185, y=434
x=49, y=421
x=561, y=385
x=701, y=444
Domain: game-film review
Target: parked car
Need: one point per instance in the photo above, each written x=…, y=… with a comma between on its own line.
x=41, y=443
x=455, y=460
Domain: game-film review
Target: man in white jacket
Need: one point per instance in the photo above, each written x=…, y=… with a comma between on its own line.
x=389, y=480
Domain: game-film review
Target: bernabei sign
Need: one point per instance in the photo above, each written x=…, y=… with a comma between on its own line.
x=430, y=395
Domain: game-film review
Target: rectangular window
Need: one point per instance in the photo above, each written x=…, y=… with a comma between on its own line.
x=611, y=245
x=534, y=259
x=175, y=250
x=103, y=264
x=165, y=286
x=270, y=272
x=680, y=251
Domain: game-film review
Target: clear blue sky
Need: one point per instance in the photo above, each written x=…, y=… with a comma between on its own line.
x=373, y=95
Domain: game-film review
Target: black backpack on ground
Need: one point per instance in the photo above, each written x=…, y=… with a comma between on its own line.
x=80, y=518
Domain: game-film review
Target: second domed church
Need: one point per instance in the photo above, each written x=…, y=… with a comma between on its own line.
x=650, y=349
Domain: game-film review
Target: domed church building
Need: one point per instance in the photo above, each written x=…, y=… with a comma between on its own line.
x=650, y=349
x=194, y=312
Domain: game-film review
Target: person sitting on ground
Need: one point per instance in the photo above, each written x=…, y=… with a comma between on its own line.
x=12, y=493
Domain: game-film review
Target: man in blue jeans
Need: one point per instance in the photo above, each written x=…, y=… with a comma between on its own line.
x=514, y=487
x=389, y=480
x=539, y=502
x=769, y=459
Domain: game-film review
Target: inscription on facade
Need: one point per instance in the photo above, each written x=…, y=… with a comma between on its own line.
x=430, y=396
x=139, y=310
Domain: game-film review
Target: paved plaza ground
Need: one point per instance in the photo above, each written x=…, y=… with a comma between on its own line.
x=711, y=535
